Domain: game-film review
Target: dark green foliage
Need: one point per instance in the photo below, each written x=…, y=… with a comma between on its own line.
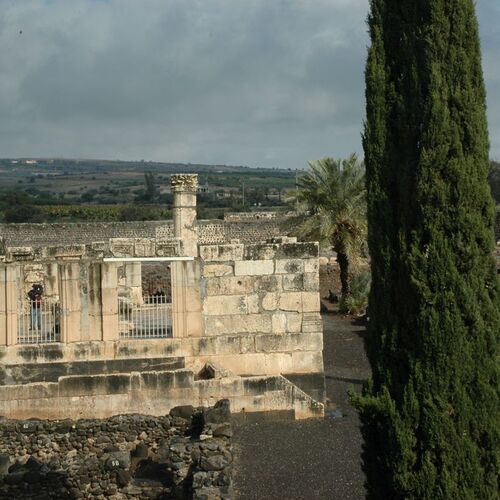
x=17, y=207
x=494, y=180
x=152, y=189
x=430, y=415
x=331, y=205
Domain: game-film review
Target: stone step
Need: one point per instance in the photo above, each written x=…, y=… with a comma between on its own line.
x=27, y=373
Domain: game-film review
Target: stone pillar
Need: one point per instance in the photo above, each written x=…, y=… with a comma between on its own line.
x=11, y=303
x=109, y=294
x=69, y=279
x=186, y=302
x=94, y=302
x=133, y=281
x=51, y=281
x=184, y=189
x=3, y=305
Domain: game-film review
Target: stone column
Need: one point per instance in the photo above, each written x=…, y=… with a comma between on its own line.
x=133, y=281
x=3, y=305
x=109, y=294
x=69, y=279
x=94, y=302
x=184, y=189
x=186, y=302
x=11, y=303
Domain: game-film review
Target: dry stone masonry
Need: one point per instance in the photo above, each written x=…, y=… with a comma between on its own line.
x=185, y=454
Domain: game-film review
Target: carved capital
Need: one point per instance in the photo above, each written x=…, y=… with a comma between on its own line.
x=184, y=182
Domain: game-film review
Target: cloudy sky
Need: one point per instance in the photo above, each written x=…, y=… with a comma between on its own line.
x=269, y=83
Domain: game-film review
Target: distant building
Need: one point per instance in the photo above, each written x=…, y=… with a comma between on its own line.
x=203, y=189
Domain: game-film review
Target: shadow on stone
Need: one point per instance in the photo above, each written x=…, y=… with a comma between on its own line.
x=153, y=473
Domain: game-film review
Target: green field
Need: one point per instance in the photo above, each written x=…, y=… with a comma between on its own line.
x=67, y=189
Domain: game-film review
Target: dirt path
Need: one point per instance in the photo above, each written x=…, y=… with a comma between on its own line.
x=314, y=459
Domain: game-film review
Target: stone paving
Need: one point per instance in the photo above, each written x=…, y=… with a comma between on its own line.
x=313, y=459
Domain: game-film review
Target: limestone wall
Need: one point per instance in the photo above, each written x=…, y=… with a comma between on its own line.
x=210, y=231
x=242, y=307
x=261, y=303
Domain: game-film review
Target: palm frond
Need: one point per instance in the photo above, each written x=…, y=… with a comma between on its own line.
x=331, y=200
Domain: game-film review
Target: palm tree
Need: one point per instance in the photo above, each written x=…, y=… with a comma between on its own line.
x=331, y=203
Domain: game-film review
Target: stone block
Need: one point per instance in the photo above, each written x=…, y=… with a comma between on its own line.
x=98, y=246
x=311, y=282
x=230, y=285
x=312, y=322
x=278, y=362
x=271, y=343
x=217, y=270
x=167, y=248
x=286, y=322
x=239, y=323
x=222, y=253
x=122, y=247
x=234, y=344
x=270, y=301
x=290, y=301
x=144, y=247
x=194, y=324
x=306, y=361
x=19, y=253
x=298, y=250
x=164, y=381
x=268, y=283
x=253, y=303
x=310, y=301
x=293, y=282
x=63, y=251
x=253, y=267
x=183, y=379
x=311, y=265
x=289, y=343
x=289, y=266
x=262, y=251
x=92, y=385
x=225, y=304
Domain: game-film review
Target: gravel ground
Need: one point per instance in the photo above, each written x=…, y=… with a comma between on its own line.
x=313, y=459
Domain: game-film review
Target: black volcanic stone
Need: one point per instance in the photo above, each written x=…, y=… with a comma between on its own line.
x=4, y=463
x=219, y=414
x=32, y=477
x=122, y=478
x=185, y=412
x=141, y=451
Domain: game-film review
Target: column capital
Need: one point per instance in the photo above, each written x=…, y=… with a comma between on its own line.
x=182, y=183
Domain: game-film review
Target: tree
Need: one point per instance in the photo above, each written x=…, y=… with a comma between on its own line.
x=152, y=189
x=332, y=205
x=494, y=180
x=17, y=207
x=430, y=414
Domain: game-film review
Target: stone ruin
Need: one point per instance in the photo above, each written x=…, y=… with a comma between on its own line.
x=232, y=319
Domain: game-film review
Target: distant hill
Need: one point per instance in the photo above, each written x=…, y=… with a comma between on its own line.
x=90, y=165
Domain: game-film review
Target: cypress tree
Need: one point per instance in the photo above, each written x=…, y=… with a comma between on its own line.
x=429, y=414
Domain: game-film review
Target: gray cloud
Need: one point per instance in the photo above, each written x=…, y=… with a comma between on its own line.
x=218, y=81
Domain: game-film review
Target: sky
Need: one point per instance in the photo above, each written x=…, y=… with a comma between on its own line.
x=263, y=83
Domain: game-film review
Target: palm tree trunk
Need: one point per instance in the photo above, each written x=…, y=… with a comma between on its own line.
x=343, y=261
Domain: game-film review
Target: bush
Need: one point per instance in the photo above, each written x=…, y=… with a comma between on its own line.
x=357, y=301
x=23, y=213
